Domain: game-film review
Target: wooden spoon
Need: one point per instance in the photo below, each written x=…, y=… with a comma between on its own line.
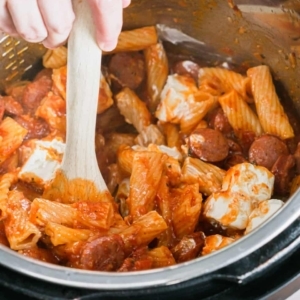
x=79, y=177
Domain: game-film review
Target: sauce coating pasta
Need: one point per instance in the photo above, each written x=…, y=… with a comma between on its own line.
x=191, y=157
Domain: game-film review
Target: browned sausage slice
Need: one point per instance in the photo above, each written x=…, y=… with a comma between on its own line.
x=234, y=147
x=266, y=149
x=187, y=68
x=189, y=247
x=283, y=169
x=2, y=108
x=42, y=73
x=127, y=69
x=37, y=127
x=246, y=139
x=12, y=107
x=138, y=260
x=104, y=253
x=208, y=144
x=40, y=254
x=35, y=92
x=297, y=158
x=219, y=121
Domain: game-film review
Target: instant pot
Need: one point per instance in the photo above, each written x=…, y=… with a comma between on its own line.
x=262, y=264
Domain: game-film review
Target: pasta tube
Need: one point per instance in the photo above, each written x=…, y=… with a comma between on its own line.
x=133, y=109
x=20, y=232
x=208, y=176
x=147, y=169
x=186, y=211
x=239, y=114
x=224, y=81
x=157, y=73
x=269, y=109
x=136, y=39
x=55, y=58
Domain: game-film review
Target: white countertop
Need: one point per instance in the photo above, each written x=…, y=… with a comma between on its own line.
x=295, y=296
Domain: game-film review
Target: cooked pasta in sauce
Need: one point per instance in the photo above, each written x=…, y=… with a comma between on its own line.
x=194, y=157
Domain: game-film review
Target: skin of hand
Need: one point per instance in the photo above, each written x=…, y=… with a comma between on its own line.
x=50, y=21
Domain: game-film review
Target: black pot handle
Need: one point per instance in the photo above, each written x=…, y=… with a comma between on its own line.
x=264, y=259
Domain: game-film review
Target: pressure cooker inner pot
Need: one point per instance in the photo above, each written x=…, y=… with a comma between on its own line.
x=236, y=36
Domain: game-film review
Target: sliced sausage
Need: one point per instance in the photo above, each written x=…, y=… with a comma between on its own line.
x=40, y=254
x=104, y=253
x=35, y=92
x=234, y=147
x=127, y=69
x=37, y=127
x=12, y=107
x=219, y=121
x=297, y=158
x=42, y=73
x=266, y=149
x=189, y=247
x=283, y=170
x=208, y=145
x=187, y=68
x=139, y=260
x=3, y=238
x=246, y=139
x=2, y=108
x=16, y=90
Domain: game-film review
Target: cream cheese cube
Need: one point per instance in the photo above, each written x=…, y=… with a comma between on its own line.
x=254, y=181
x=177, y=97
x=262, y=213
x=229, y=209
x=42, y=164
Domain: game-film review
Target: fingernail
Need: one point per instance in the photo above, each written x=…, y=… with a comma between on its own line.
x=107, y=46
x=48, y=45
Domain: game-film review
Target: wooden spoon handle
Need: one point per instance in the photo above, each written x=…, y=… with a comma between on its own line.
x=84, y=62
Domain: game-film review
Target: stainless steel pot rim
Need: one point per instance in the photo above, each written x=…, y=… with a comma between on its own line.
x=222, y=258
x=157, y=277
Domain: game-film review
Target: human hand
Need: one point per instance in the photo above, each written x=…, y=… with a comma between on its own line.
x=50, y=22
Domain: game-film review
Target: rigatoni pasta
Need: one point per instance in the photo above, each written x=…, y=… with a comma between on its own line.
x=55, y=58
x=189, y=155
x=186, y=210
x=6, y=181
x=224, y=81
x=157, y=68
x=162, y=257
x=20, y=232
x=11, y=137
x=269, y=109
x=44, y=211
x=133, y=109
x=61, y=235
x=147, y=169
x=208, y=176
x=136, y=39
x=143, y=230
x=239, y=114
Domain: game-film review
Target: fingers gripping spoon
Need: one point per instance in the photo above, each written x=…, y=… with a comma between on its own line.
x=79, y=177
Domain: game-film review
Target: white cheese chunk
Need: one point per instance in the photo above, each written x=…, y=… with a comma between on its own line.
x=229, y=209
x=177, y=97
x=42, y=164
x=254, y=181
x=262, y=213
